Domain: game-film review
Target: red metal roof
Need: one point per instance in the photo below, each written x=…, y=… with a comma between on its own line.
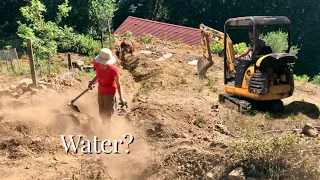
x=170, y=32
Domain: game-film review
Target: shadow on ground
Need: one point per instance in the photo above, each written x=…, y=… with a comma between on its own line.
x=296, y=107
x=306, y=108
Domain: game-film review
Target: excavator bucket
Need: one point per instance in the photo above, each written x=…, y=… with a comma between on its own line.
x=200, y=68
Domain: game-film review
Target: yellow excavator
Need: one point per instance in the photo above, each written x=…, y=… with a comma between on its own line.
x=262, y=80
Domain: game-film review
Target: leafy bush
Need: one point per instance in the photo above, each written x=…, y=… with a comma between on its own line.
x=303, y=78
x=275, y=158
x=316, y=79
x=278, y=42
x=216, y=48
x=239, y=48
x=147, y=38
x=48, y=38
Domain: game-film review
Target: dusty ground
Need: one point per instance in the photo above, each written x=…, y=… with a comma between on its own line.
x=176, y=133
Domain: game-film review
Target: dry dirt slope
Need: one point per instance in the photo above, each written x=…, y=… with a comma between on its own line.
x=174, y=106
x=177, y=135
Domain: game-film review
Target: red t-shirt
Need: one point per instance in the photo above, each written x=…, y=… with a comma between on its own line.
x=107, y=84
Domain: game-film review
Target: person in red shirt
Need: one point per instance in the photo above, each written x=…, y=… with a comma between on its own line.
x=108, y=79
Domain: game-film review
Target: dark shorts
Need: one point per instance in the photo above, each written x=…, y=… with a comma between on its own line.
x=106, y=103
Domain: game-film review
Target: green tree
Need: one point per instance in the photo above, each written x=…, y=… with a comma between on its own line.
x=101, y=13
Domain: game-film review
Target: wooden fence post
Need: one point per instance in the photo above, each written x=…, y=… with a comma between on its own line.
x=31, y=62
x=69, y=61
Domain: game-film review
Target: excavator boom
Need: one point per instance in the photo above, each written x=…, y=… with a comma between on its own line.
x=218, y=37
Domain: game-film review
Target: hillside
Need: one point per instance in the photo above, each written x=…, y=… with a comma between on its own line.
x=177, y=134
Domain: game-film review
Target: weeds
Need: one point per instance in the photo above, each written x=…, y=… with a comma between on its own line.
x=183, y=81
x=199, y=89
x=275, y=158
x=177, y=43
x=199, y=122
x=210, y=82
x=147, y=38
x=292, y=116
x=267, y=116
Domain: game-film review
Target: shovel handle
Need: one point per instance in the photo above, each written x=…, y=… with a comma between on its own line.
x=72, y=101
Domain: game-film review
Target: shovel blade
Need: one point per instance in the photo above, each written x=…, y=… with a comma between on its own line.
x=74, y=107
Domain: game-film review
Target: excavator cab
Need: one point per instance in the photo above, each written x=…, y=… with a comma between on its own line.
x=261, y=80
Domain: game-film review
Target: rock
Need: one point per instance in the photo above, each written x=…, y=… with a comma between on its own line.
x=1, y=115
x=237, y=174
x=145, y=52
x=33, y=90
x=55, y=158
x=175, y=135
x=42, y=87
x=39, y=159
x=222, y=129
x=24, y=84
x=15, y=95
x=19, y=91
x=13, y=87
x=215, y=106
x=218, y=144
x=209, y=175
x=193, y=62
x=36, y=140
x=164, y=57
x=78, y=62
x=184, y=135
x=67, y=75
x=206, y=139
x=309, y=130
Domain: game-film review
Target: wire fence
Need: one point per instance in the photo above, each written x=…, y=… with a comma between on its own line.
x=7, y=56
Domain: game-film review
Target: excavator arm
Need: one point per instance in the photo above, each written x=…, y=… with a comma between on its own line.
x=218, y=37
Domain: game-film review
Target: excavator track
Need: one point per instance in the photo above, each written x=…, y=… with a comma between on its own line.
x=243, y=105
x=236, y=103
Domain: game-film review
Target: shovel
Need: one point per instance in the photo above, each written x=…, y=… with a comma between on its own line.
x=74, y=107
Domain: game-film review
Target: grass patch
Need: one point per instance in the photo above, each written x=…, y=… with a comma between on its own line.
x=19, y=69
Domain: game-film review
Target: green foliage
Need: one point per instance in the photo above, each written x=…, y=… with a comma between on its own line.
x=101, y=13
x=216, y=48
x=239, y=48
x=42, y=33
x=86, y=45
x=275, y=158
x=303, y=78
x=48, y=38
x=316, y=79
x=277, y=40
x=147, y=38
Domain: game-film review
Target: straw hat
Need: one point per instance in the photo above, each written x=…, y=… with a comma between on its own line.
x=105, y=57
